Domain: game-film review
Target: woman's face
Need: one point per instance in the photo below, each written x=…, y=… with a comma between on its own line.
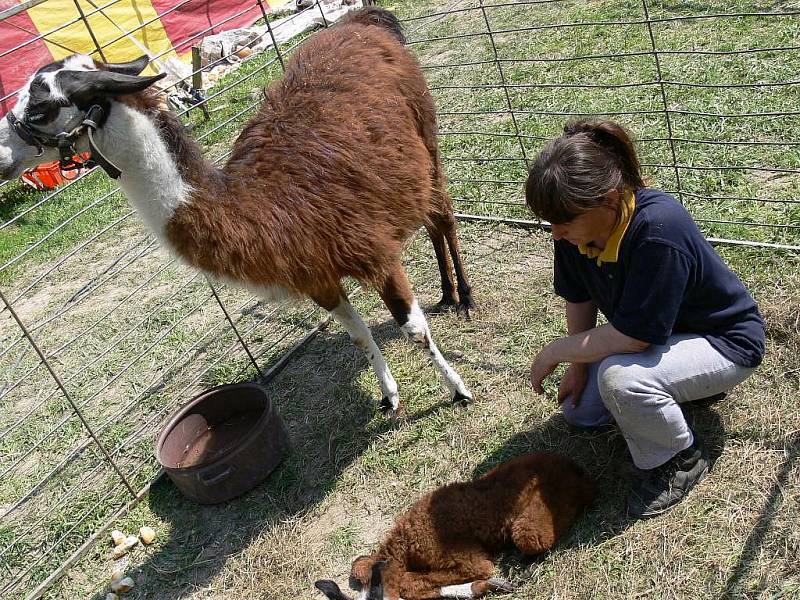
x=592, y=227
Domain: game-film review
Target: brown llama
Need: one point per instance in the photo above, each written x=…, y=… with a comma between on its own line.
x=443, y=546
x=334, y=173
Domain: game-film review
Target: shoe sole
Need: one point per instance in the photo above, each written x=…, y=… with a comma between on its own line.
x=651, y=514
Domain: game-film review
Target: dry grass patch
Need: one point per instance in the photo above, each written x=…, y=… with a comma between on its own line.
x=351, y=471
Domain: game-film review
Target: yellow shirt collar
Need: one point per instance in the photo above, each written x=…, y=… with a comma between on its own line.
x=610, y=253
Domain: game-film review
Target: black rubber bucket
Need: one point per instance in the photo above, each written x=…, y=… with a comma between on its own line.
x=223, y=443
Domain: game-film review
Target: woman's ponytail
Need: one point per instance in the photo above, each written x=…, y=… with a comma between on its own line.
x=574, y=172
x=617, y=141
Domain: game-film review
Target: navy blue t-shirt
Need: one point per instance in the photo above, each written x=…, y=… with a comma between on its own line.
x=667, y=280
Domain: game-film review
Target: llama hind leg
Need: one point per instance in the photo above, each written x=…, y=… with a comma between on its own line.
x=399, y=299
x=465, y=300
x=441, y=217
x=439, y=242
x=444, y=234
x=341, y=309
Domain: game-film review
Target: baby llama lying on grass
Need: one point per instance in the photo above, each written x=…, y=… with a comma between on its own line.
x=331, y=177
x=443, y=546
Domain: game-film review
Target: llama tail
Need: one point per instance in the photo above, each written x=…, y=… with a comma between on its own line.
x=375, y=15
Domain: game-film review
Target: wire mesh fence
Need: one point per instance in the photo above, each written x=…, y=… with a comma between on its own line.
x=710, y=93
x=104, y=335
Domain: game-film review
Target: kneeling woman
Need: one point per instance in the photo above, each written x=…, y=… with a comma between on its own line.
x=681, y=326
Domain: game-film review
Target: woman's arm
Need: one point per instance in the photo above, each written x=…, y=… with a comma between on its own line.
x=581, y=317
x=592, y=345
x=584, y=347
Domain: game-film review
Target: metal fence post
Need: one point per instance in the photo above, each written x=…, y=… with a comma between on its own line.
x=502, y=76
x=235, y=330
x=98, y=49
x=322, y=12
x=667, y=117
x=271, y=35
x=197, y=69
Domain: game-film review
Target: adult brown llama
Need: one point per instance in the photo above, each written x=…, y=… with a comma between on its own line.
x=443, y=546
x=330, y=178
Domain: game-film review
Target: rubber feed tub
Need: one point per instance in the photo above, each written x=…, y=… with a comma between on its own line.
x=223, y=443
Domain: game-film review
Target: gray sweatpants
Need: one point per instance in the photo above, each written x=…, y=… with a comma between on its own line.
x=641, y=392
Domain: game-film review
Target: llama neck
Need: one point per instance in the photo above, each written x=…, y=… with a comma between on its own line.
x=153, y=178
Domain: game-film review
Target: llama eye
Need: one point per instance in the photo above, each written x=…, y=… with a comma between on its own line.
x=41, y=112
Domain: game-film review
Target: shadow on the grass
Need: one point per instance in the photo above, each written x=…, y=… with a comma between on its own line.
x=331, y=421
x=755, y=540
x=602, y=452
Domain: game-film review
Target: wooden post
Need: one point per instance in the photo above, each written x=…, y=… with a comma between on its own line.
x=197, y=76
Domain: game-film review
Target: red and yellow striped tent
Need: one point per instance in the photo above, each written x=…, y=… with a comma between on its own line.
x=35, y=32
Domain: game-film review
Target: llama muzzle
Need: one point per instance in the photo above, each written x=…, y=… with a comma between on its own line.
x=331, y=589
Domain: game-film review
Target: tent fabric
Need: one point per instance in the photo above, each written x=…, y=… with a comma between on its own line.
x=195, y=19
x=123, y=30
x=17, y=52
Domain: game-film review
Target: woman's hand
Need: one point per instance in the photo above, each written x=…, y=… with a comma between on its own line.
x=573, y=383
x=544, y=364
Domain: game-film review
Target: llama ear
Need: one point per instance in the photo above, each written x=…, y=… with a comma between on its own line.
x=133, y=67
x=330, y=589
x=81, y=87
x=360, y=571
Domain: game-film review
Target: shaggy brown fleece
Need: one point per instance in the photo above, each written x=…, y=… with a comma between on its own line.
x=328, y=180
x=450, y=535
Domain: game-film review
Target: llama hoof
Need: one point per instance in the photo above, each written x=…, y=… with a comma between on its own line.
x=464, y=307
x=496, y=584
x=390, y=406
x=460, y=399
x=444, y=305
x=486, y=586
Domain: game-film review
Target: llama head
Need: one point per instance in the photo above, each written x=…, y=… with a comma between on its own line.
x=53, y=103
x=373, y=577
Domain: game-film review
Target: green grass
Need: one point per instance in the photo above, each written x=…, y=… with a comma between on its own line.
x=711, y=34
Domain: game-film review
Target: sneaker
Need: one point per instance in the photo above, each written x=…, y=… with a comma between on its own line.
x=663, y=487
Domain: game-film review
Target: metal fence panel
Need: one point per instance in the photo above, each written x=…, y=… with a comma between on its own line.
x=710, y=119
x=103, y=335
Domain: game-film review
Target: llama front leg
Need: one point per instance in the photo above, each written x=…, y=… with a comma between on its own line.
x=471, y=569
x=346, y=315
x=400, y=301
